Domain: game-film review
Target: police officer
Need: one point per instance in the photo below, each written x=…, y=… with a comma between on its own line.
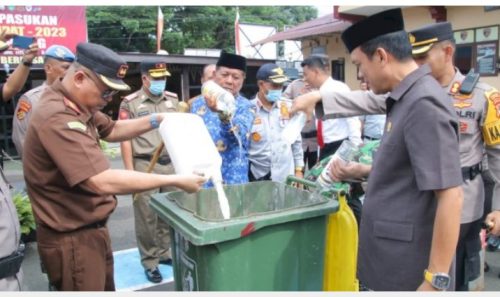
x=11, y=251
x=270, y=157
x=309, y=133
x=57, y=59
x=153, y=239
x=69, y=180
x=477, y=110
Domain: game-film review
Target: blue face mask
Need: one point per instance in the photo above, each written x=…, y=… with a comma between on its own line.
x=273, y=95
x=157, y=87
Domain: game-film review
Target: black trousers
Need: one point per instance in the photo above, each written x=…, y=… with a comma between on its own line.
x=310, y=159
x=329, y=149
x=467, y=257
x=252, y=178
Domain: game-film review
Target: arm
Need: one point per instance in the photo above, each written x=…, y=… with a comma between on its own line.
x=126, y=150
x=445, y=232
x=128, y=129
x=17, y=79
x=116, y=182
x=340, y=171
x=352, y=103
x=21, y=119
x=354, y=126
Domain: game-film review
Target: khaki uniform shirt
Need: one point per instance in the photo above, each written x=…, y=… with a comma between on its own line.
x=22, y=116
x=62, y=151
x=418, y=154
x=9, y=232
x=138, y=104
x=309, y=133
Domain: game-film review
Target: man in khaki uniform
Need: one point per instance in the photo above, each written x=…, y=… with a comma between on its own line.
x=57, y=60
x=153, y=239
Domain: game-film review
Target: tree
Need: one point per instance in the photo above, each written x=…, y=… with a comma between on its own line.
x=133, y=28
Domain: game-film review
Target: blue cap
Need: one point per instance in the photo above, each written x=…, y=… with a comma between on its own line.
x=60, y=53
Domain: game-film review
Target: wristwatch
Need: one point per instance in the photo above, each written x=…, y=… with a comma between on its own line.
x=153, y=121
x=438, y=280
x=26, y=63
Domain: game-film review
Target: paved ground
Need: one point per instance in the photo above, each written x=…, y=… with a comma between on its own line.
x=121, y=225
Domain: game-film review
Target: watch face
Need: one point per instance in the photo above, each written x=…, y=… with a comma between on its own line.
x=441, y=281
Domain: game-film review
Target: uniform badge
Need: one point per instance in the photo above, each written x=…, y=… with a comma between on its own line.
x=284, y=112
x=169, y=104
x=463, y=127
x=221, y=146
x=257, y=121
x=124, y=114
x=461, y=104
x=454, y=87
x=24, y=108
x=77, y=126
x=143, y=113
x=388, y=126
x=494, y=97
x=256, y=137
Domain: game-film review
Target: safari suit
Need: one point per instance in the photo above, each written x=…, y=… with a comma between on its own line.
x=22, y=116
x=153, y=238
x=418, y=154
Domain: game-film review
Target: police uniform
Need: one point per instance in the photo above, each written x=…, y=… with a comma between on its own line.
x=10, y=236
x=479, y=118
x=232, y=139
x=309, y=133
x=28, y=100
x=62, y=151
x=271, y=158
x=153, y=239
x=418, y=154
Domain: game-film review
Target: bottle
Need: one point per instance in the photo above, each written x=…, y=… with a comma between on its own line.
x=225, y=101
x=292, y=130
x=346, y=152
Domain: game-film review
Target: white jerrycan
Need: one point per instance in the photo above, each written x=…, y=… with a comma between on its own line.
x=192, y=150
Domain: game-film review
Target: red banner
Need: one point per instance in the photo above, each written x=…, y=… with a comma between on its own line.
x=63, y=25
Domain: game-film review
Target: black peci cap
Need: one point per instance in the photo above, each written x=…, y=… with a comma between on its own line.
x=382, y=23
x=154, y=68
x=107, y=64
x=232, y=61
x=423, y=38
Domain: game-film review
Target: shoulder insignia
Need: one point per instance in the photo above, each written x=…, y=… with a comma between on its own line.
x=124, y=114
x=170, y=94
x=23, y=108
x=71, y=105
x=131, y=97
x=454, y=87
x=76, y=125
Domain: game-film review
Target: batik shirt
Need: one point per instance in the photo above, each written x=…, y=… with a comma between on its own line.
x=231, y=139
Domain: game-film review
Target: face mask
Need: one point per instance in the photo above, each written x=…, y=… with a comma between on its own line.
x=157, y=87
x=273, y=95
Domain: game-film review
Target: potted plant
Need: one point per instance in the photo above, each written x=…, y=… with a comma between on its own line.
x=25, y=214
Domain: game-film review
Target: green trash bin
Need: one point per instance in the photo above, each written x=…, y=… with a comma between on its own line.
x=274, y=240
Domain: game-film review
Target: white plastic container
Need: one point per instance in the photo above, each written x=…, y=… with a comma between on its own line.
x=190, y=146
x=225, y=100
x=292, y=130
x=346, y=152
x=192, y=150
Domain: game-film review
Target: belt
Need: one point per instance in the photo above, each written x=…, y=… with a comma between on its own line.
x=310, y=134
x=163, y=160
x=469, y=173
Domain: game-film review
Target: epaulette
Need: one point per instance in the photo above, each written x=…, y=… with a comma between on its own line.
x=131, y=97
x=170, y=94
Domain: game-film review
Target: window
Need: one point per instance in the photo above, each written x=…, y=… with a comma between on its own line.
x=477, y=48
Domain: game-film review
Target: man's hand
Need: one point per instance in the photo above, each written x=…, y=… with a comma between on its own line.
x=340, y=171
x=190, y=183
x=4, y=36
x=306, y=103
x=493, y=221
x=31, y=53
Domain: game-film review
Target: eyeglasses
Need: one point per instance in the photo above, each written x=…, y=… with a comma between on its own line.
x=104, y=94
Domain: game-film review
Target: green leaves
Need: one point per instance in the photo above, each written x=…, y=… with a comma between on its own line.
x=24, y=212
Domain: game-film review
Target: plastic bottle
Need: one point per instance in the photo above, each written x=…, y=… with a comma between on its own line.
x=346, y=152
x=225, y=100
x=292, y=130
